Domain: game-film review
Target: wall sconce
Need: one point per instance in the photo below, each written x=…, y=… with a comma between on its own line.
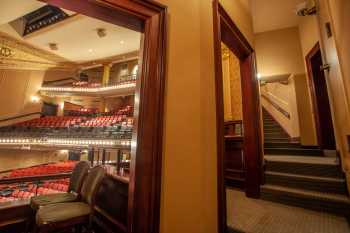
x=35, y=99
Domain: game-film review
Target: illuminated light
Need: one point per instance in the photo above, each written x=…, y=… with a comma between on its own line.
x=90, y=50
x=62, y=105
x=258, y=75
x=122, y=42
x=35, y=99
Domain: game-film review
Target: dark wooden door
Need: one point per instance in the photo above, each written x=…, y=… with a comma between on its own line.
x=323, y=117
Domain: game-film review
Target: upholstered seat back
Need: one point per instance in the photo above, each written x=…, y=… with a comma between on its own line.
x=91, y=184
x=78, y=175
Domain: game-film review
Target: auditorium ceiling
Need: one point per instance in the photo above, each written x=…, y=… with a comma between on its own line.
x=76, y=38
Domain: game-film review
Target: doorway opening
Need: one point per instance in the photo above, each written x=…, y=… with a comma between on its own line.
x=84, y=114
x=242, y=138
x=319, y=93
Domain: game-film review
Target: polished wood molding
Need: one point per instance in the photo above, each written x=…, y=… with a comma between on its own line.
x=225, y=30
x=149, y=18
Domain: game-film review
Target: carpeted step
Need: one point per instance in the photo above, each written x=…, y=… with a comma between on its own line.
x=313, y=183
x=268, y=135
x=304, y=165
x=282, y=145
x=291, y=151
x=332, y=203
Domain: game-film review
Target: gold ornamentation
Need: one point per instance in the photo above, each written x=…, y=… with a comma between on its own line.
x=6, y=52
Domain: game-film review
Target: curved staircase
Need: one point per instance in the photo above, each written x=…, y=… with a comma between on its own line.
x=300, y=176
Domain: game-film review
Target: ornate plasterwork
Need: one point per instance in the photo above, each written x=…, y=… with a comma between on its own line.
x=20, y=55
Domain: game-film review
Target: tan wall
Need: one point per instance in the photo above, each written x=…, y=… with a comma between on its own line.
x=16, y=89
x=240, y=13
x=188, y=199
x=308, y=135
x=279, y=52
x=51, y=75
x=13, y=159
x=335, y=51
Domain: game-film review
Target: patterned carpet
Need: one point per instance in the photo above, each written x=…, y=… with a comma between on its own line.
x=258, y=216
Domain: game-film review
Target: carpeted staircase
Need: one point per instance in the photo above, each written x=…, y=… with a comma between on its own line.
x=300, y=176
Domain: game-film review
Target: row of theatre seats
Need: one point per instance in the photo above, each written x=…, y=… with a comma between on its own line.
x=116, y=126
x=47, y=169
x=108, y=190
x=26, y=190
x=121, y=116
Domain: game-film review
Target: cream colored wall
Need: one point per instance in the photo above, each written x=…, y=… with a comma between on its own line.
x=285, y=96
x=13, y=159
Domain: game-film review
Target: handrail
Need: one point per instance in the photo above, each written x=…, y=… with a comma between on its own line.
x=34, y=178
x=19, y=116
x=276, y=106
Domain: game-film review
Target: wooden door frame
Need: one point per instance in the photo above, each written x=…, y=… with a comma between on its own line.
x=149, y=18
x=313, y=51
x=226, y=30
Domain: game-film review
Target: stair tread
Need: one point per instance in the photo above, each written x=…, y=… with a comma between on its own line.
x=313, y=178
x=313, y=194
x=302, y=159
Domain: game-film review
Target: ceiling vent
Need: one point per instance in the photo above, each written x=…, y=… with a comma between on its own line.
x=41, y=18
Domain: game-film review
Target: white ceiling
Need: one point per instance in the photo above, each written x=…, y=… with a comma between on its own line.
x=271, y=15
x=12, y=9
x=77, y=39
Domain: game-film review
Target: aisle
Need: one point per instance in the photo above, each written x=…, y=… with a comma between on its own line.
x=258, y=216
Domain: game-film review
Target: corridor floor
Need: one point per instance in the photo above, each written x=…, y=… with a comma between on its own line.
x=258, y=216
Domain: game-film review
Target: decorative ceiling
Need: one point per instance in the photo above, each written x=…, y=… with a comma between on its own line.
x=76, y=38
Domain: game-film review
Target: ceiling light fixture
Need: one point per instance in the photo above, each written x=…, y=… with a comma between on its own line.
x=90, y=50
x=53, y=46
x=122, y=42
x=101, y=32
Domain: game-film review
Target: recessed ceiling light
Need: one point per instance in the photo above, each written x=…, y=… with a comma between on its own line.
x=122, y=42
x=53, y=46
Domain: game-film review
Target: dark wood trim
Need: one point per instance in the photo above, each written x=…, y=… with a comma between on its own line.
x=19, y=116
x=315, y=105
x=149, y=18
x=221, y=192
x=225, y=30
x=276, y=106
x=312, y=52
